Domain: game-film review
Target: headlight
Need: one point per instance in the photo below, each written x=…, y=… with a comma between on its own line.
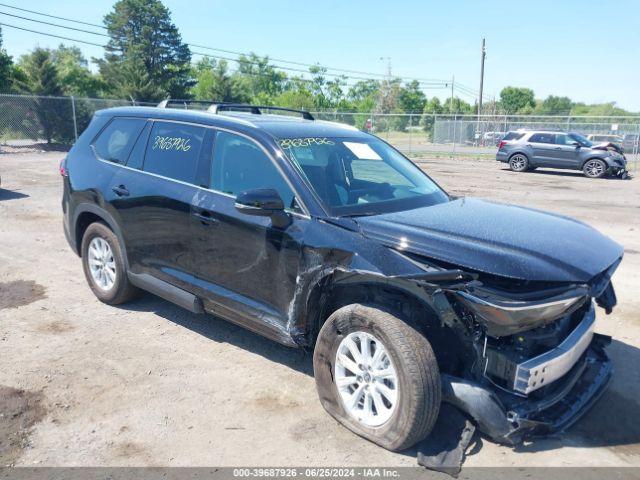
x=504, y=317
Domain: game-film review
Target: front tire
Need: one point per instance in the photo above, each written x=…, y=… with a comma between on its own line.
x=519, y=162
x=104, y=267
x=393, y=396
x=594, y=168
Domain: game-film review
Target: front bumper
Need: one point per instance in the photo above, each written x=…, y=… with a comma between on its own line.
x=509, y=418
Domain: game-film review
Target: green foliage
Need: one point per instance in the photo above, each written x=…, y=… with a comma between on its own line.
x=6, y=69
x=553, y=105
x=427, y=121
x=74, y=74
x=516, y=100
x=145, y=58
x=42, y=78
x=457, y=106
x=215, y=83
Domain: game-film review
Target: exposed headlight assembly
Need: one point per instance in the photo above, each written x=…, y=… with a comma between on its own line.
x=504, y=316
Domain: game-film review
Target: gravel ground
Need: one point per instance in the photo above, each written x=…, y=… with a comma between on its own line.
x=85, y=384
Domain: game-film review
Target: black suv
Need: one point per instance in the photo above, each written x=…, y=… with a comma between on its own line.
x=320, y=236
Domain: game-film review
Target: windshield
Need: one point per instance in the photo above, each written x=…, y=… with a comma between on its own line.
x=356, y=176
x=581, y=140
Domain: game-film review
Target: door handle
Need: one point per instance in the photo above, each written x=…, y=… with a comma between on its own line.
x=205, y=218
x=121, y=191
x=558, y=148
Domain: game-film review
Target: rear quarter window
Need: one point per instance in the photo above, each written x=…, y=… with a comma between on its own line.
x=513, y=136
x=115, y=141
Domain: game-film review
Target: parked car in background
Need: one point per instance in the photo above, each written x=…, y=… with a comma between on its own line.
x=492, y=138
x=537, y=148
x=323, y=237
x=599, y=138
x=631, y=142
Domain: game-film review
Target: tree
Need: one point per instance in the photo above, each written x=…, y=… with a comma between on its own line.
x=145, y=58
x=553, y=105
x=6, y=69
x=41, y=79
x=259, y=80
x=515, y=100
x=74, y=74
x=412, y=100
x=214, y=83
x=431, y=108
x=458, y=106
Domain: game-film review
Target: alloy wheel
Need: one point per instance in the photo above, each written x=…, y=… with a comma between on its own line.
x=366, y=379
x=101, y=263
x=594, y=168
x=518, y=162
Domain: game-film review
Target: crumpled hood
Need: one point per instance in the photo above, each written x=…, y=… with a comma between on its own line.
x=504, y=240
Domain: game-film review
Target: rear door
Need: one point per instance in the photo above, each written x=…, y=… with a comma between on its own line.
x=243, y=267
x=154, y=201
x=567, y=154
x=543, y=148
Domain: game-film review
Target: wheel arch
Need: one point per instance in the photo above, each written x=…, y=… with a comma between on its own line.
x=519, y=152
x=406, y=300
x=85, y=215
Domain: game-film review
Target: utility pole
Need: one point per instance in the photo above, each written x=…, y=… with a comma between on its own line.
x=453, y=80
x=483, y=54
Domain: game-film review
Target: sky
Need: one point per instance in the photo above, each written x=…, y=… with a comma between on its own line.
x=587, y=50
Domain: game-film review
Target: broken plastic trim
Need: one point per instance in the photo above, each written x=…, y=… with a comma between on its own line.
x=508, y=419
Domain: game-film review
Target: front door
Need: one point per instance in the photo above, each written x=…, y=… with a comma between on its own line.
x=567, y=152
x=244, y=267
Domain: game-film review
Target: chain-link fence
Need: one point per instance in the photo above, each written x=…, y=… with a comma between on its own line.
x=29, y=119
x=26, y=120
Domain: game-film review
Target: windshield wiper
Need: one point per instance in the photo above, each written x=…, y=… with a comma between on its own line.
x=363, y=214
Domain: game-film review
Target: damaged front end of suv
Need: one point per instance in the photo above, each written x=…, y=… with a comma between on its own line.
x=521, y=358
x=537, y=363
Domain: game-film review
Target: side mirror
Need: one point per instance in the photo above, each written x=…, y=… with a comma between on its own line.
x=263, y=202
x=576, y=144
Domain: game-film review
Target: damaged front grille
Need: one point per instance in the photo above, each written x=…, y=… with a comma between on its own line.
x=533, y=359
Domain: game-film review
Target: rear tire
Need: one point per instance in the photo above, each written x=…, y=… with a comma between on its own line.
x=594, y=168
x=519, y=162
x=412, y=397
x=104, y=267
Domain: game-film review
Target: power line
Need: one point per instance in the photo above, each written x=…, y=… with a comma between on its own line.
x=369, y=74
x=52, y=35
x=52, y=16
x=54, y=24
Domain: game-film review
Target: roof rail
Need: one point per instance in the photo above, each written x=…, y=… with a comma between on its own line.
x=255, y=109
x=185, y=103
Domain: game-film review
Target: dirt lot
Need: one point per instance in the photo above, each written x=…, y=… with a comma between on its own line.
x=82, y=383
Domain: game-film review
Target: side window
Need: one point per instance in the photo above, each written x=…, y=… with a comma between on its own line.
x=137, y=154
x=562, y=139
x=173, y=150
x=116, y=140
x=542, y=138
x=240, y=165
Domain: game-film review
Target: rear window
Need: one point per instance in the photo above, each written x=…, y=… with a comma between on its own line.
x=116, y=140
x=513, y=136
x=173, y=150
x=542, y=138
